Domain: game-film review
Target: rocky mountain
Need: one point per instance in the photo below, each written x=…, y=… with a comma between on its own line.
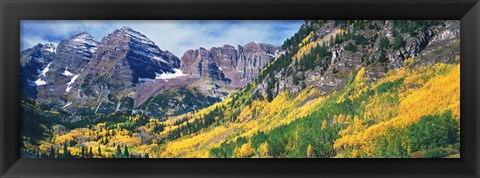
x=334, y=49
x=71, y=56
x=126, y=69
x=34, y=64
x=127, y=72
x=209, y=74
x=236, y=66
x=122, y=60
x=226, y=66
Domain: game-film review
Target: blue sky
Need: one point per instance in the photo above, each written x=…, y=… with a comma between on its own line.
x=176, y=36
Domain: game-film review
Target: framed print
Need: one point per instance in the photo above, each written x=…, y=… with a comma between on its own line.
x=239, y=88
x=334, y=89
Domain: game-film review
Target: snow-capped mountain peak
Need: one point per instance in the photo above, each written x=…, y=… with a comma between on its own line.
x=49, y=47
x=136, y=36
x=85, y=42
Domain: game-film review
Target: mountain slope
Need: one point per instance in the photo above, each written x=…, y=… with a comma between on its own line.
x=360, y=104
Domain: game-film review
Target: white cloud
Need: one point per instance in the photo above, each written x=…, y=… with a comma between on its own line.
x=34, y=40
x=175, y=36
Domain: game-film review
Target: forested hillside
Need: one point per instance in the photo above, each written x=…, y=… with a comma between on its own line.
x=336, y=89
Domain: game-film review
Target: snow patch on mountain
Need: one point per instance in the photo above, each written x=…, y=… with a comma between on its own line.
x=37, y=82
x=158, y=58
x=85, y=38
x=69, y=87
x=150, y=55
x=164, y=76
x=137, y=36
x=98, y=107
x=44, y=71
x=68, y=104
x=67, y=73
x=49, y=48
x=85, y=42
x=71, y=82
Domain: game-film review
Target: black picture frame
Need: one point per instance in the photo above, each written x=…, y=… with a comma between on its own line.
x=12, y=11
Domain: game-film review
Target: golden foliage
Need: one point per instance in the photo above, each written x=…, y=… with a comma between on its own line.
x=324, y=124
x=263, y=149
x=245, y=151
x=438, y=91
x=306, y=39
x=426, y=90
x=340, y=30
x=201, y=143
x=408, y=61
x=310, y=151
x=267, y=115
x=307, y=44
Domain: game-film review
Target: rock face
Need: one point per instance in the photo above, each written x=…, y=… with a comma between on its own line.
x=34, y=64
x=206, y=75
x=122, y=60
x=201, y=64
x=430, y=44
x=71, y=57
x=74, y=53
x=253, y=57
x=126, y=69
x=234, y=67
x=128, y=56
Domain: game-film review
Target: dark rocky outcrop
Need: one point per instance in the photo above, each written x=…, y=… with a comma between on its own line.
x=72, y=55
x=34, y=64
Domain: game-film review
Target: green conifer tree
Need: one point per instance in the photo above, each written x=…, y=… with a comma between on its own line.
x=125, y=152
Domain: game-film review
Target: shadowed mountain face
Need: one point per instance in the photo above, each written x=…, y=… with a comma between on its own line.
x=123, y=59
x=71, y=56
x=34, y=64
x=125, y=69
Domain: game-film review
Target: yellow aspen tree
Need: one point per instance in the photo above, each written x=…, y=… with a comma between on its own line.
x=341, y=119
x=355, y=154
x=324, y=124
x=246, y=150
x=408, y=61
x=335, y=119
x=263, y=149
x=310, y=152
x=348, y=118
x=357, y=124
